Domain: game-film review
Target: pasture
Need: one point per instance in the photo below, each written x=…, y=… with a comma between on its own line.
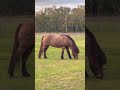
x=107, y=35
x=56, y=74
x=8, y=27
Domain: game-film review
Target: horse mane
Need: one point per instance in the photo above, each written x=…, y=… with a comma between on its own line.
x=98, y=50
x=90, y=34
x=76, y=48
x=70, y=38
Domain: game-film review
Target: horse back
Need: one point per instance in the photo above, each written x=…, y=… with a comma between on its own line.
x=26, y=35
x=56, y=40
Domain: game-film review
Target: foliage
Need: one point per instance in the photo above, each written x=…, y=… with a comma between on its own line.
x=62, y=19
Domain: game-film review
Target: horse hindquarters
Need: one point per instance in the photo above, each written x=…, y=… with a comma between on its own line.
x=43, y=48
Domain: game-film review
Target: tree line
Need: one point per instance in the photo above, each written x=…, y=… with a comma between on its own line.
x=62, y=19
x=102, y=7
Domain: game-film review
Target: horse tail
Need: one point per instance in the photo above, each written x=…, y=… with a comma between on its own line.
x=41, y=47
x=15, y=46
x=41, y=42
x=16, y=42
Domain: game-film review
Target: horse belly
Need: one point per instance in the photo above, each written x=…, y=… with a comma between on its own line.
x=56, y=44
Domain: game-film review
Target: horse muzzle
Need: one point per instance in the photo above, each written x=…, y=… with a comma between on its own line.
x=76, y=57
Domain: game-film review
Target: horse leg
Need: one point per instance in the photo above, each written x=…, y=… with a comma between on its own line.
x=24, y=60
x=45, y=51
x=62, y=53
x=40, y=52
x=13, y=61
x=12, y=66
x=68, y=52
x=86, y=74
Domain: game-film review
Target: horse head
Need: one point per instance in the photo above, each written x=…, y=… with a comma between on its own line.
x=75, y=52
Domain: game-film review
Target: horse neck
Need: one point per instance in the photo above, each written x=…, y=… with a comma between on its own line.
x=72, y=46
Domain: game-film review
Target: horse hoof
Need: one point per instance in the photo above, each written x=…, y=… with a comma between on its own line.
x=26, y=75
x=39, y=57
x=62, y=58
x=45, y=57
x=70, y=57
x=11, y=75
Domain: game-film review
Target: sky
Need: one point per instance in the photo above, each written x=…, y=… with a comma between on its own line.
x=41, y=4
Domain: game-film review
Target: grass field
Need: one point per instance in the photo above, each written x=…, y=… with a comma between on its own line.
x=107, y=35
x=8, y=26
x=56, y=74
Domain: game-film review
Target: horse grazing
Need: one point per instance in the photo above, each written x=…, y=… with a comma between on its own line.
x=59, y=41
x=23, y=45
x=95, y=55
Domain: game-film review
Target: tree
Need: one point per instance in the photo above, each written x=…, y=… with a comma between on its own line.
x=60, y=19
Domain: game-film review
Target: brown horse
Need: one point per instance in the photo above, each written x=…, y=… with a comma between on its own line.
x=59, y=41
x=95, y=55
x=23, y=45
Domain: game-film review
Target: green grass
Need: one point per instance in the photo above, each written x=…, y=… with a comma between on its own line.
x=8, y=26
x=107, y=35
x=56, y=74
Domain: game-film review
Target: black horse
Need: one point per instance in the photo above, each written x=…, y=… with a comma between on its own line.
x=95, y=55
